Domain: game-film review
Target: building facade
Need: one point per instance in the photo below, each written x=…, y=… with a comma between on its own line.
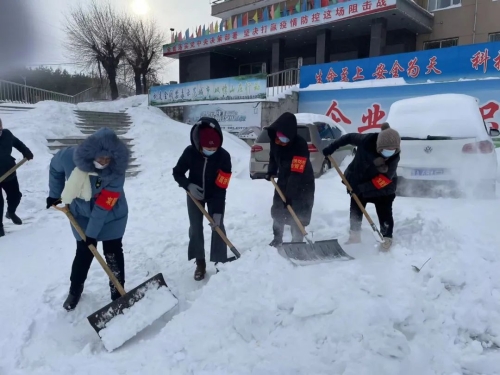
x=268, y=36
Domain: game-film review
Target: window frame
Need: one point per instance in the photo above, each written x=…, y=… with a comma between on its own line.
x=496, y=34
x=440, y=41
x=437, y=9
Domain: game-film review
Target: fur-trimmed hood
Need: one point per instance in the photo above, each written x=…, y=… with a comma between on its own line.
x=103, y=143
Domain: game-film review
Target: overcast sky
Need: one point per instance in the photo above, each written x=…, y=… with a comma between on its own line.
x=47, y=19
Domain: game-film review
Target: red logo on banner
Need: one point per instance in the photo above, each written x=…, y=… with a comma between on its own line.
x=205, y=42
x=432, y=66
x=353, y=8
x=255, y=31
x=327, y=15
x=274, y=27
x=488, y=111
x=304, y=20
x=192, y=44
x=358, y=76
x=316, y=17
x=372, y=118
x=381, y=3
x=212, y=40
x=227, y=37
x=235, y=35
x=219, y=39
x=330, y=77
x=396, y=68
x=336, y=114
x=294, y=22
x=339, y=11
x=168, y=49
x=246, y=33
x=344, y=75
x=413, y=69
x=367, y=5
x=480, y=58
x=319, y=77
x=380, y=71
x=283, y=25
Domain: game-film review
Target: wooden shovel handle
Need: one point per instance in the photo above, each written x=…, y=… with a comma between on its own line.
x=92, y=248
x=290, y=209
x=13, y=169
x=354, y=196
x=214, y=225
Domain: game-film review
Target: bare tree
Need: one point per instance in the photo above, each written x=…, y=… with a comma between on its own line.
x=144, y=51
x=97, y=38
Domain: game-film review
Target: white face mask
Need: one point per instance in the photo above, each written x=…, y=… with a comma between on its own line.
x=388, y=153
x=99, y=166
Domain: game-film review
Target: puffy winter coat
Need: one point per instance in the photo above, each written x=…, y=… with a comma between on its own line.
x=7, y=161
x=290, y=163
x=212, y=173
x=105, y=216
x=362, y=174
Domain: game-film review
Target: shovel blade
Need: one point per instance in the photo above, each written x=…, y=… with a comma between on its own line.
x=123, y=309
x=319, y=251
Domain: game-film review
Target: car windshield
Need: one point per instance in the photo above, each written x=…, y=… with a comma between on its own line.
x=303, y=131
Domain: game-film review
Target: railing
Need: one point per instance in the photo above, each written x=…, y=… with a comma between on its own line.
x=16, y=93
x=281, y=81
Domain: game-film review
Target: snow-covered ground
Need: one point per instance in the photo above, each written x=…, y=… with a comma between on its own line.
x=260, y=314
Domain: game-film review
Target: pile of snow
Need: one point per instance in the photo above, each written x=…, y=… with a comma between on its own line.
x=259, y=314
x=369, y=83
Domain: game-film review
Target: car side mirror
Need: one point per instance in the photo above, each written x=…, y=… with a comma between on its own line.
x=494, y=132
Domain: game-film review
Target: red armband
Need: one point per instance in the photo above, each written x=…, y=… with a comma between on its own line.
x=298, y=164
x=222, y=179
x=381, y=181
x=107, y=199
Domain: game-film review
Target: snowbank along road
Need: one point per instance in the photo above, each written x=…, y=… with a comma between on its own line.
x=260, y=314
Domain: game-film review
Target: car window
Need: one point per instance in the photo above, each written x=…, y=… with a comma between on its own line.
x=336, y=132
x=263, y=137
x=302, y=130
x=324, y=130
x=305, y=133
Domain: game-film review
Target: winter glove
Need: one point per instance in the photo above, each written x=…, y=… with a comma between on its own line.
x=53, y=202
x=268, y=176
x=217, y=218
x=380, y=164
x=288, y=202
x=91, y=241
x=28, y=155
x=196, y=191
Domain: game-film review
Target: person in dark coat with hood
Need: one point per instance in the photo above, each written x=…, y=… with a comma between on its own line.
x=10, y=185
x=289, y=161
x=209, y=167
x=372, y=176
x=90, y=179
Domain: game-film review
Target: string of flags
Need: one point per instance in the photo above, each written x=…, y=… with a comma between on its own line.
x=267, y=13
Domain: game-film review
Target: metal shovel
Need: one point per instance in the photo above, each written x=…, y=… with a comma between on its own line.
x=310, y=251
x=100, y=319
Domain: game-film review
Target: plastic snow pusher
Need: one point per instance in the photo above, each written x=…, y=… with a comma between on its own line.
x=310, y=251
x=100, y=319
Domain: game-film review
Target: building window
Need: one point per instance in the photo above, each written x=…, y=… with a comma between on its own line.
x=441, y=43
x=494, y=37
x=442, y=4
x=246, y=69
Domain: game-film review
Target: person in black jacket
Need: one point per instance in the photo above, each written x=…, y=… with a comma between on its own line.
x=209, y=167
x=289, y=161
x=372, y=176
x=10, y=185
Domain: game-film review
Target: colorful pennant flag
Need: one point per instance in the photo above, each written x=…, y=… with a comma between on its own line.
x=255, y=17
x=277, y=12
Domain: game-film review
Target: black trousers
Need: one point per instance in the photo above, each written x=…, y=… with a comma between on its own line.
x=383, y=206
x=196, y=248
x=11, y=188
x=113, y=252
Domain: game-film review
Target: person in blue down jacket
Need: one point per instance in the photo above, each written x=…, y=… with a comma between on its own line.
x=90, y=179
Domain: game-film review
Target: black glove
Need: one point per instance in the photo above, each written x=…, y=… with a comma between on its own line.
x=327, y=151
x=53, y=202
x=91, y=241
x=288, y=202
x=268, y=176
x=28, y=155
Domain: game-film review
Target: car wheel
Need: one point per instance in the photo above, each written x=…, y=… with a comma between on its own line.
x=324, y=167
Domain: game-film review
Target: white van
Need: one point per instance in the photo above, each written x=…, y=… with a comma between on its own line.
x=445, y=145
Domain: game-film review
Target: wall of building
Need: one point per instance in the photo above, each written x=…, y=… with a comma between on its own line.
x=194, y=68
x=459, y=22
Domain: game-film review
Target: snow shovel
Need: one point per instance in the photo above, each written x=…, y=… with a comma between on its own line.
x=378, y=236
x=310, y=251
x=12, y=170
x=123, y=318
x=216, y=228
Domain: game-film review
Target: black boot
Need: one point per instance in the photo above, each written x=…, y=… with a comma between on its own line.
x=276, y=242
x=2, y=232
x=75, y=292
x=15, y=219
x=201, y=269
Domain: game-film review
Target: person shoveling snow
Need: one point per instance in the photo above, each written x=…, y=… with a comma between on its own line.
x=89, y=179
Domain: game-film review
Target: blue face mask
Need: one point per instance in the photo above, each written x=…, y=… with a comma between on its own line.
x=284, y=139
x=208, y=152
x=387, y=153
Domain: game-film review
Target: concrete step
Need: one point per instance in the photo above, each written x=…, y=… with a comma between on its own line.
x=97, y=113
x=92, y=131
x=104, y=122
x=79, y=139
x=104, y=118
x=131, y=173
x=60, y=146
x=16, y=107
